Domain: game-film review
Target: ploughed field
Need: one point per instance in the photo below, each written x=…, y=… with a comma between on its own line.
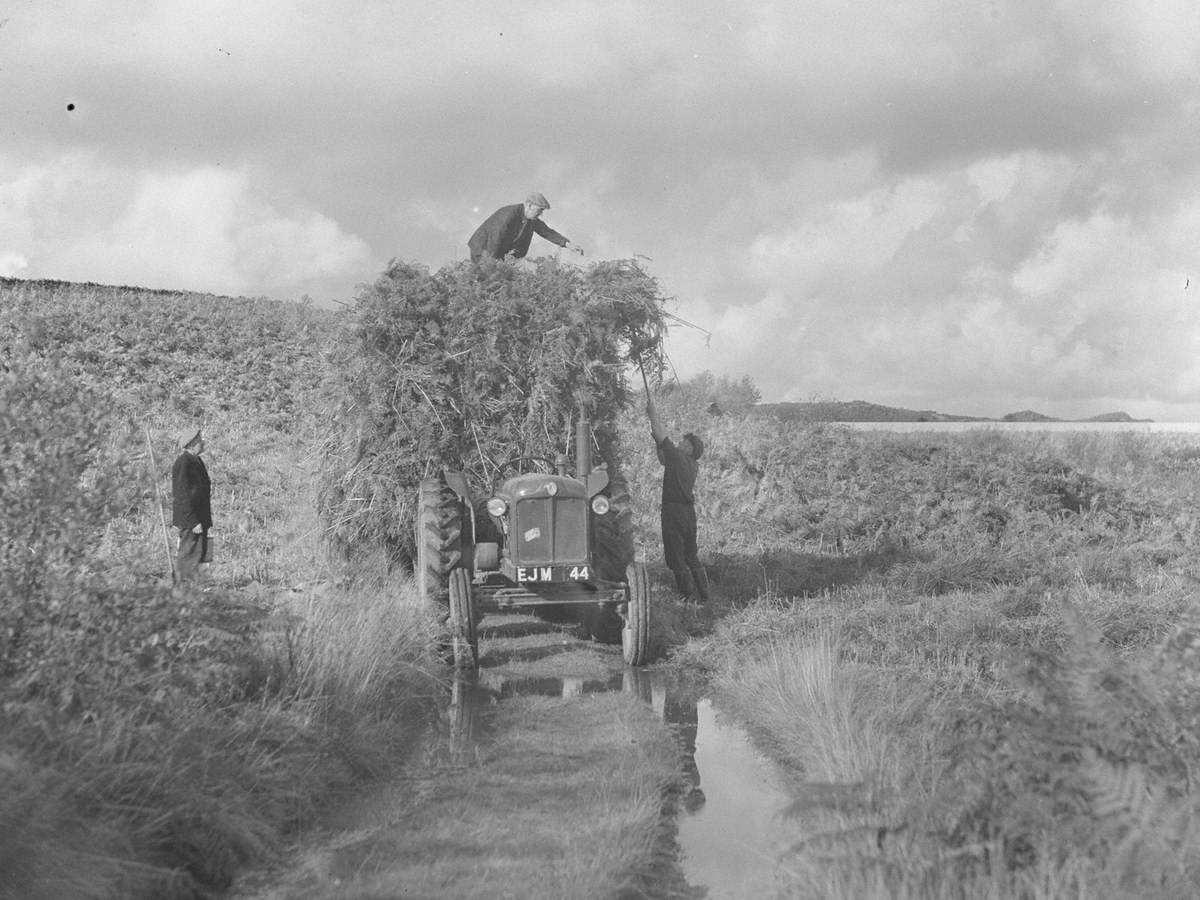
x=972, y=656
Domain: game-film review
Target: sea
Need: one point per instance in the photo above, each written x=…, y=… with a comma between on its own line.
x=1177, y=428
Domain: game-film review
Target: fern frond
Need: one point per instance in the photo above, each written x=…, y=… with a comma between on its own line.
x=1118, y=792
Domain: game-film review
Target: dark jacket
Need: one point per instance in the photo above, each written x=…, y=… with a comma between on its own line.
x=679, y=474
x=507, y=230
x=191, y=492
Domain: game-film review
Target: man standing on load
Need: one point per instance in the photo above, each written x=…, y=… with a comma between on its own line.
x=510, y=229
x=678, y=506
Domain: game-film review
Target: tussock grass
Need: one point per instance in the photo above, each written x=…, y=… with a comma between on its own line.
x=838, y=722
x=976, y=568
x=357, y=645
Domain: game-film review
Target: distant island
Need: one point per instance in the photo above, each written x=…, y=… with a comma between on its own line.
x=862, y=411
x=1028, y=415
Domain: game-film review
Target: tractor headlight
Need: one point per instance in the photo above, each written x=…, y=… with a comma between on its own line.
x=600, y=504
x=497, y=507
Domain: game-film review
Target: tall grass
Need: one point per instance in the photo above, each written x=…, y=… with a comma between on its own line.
x=825, y=714
x=147, y=801
x=358, y=645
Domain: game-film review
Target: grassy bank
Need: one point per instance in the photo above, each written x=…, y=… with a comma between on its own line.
x=155, y=740
x=973, y=655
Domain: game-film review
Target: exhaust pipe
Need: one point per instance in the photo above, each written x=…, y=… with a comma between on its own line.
x=583, y=449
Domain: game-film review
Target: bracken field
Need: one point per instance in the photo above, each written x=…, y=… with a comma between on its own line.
x=976, y=658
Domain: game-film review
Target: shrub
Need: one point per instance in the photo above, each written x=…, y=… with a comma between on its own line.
x=68, y=466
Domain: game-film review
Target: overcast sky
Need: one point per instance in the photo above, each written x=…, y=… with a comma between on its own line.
x=977, y=206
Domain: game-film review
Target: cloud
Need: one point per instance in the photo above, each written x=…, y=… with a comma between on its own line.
x=1012, y=276
x=203, y=229
x=12, y=264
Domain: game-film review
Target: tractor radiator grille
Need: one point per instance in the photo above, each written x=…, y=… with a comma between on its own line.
x=550, y=531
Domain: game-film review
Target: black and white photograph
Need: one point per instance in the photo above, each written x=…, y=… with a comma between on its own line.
x=571, y=451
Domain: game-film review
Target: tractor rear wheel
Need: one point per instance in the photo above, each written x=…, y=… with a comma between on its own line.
x=635, y=635
x=463, y=623
x=613, y=531
x=439, y=537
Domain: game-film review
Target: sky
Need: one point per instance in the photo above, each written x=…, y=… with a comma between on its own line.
x=976, y=207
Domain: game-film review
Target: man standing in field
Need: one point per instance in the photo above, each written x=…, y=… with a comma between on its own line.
x=191, y=496
x=678, y=506
x=510, y=229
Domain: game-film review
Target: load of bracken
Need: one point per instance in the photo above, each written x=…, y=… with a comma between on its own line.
x=469, y=366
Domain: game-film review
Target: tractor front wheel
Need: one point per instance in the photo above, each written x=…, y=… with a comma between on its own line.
x=635, y=635
x=613, y=531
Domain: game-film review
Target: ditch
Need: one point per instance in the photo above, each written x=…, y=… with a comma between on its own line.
x=723, y=844
x=714, y=840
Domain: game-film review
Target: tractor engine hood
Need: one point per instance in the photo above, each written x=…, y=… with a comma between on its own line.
x=523, y=487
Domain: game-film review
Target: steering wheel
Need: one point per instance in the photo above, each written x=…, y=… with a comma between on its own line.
x=538, y=463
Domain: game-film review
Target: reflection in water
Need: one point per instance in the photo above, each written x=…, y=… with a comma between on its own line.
x=725, y=829
x=729, y=845
x=676, y=706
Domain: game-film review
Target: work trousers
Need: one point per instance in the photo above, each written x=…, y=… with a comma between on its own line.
x=681, y=551
x=191, y=552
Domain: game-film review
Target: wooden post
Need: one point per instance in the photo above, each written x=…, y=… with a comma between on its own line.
x=162, y=518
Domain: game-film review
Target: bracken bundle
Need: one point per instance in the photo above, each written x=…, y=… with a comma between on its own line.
x=469, y=367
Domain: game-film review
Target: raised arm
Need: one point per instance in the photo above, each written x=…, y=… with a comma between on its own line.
x=656, y=426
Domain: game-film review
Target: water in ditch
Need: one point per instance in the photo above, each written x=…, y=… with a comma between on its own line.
x=724, y=842
x=728, y=844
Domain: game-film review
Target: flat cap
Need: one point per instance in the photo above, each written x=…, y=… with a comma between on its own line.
x=538, y=200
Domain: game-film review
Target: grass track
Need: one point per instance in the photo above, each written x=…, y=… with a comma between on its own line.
x=563, y=803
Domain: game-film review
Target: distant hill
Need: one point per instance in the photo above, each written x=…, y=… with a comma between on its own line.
x=156, y=351
x=862, y=411
x=1028, y=415
x=854, y=411
x=1115, y=417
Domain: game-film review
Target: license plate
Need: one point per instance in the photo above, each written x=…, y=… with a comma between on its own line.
x=540, y=574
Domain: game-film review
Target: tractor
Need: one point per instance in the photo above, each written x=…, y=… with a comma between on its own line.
x=542, y=541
